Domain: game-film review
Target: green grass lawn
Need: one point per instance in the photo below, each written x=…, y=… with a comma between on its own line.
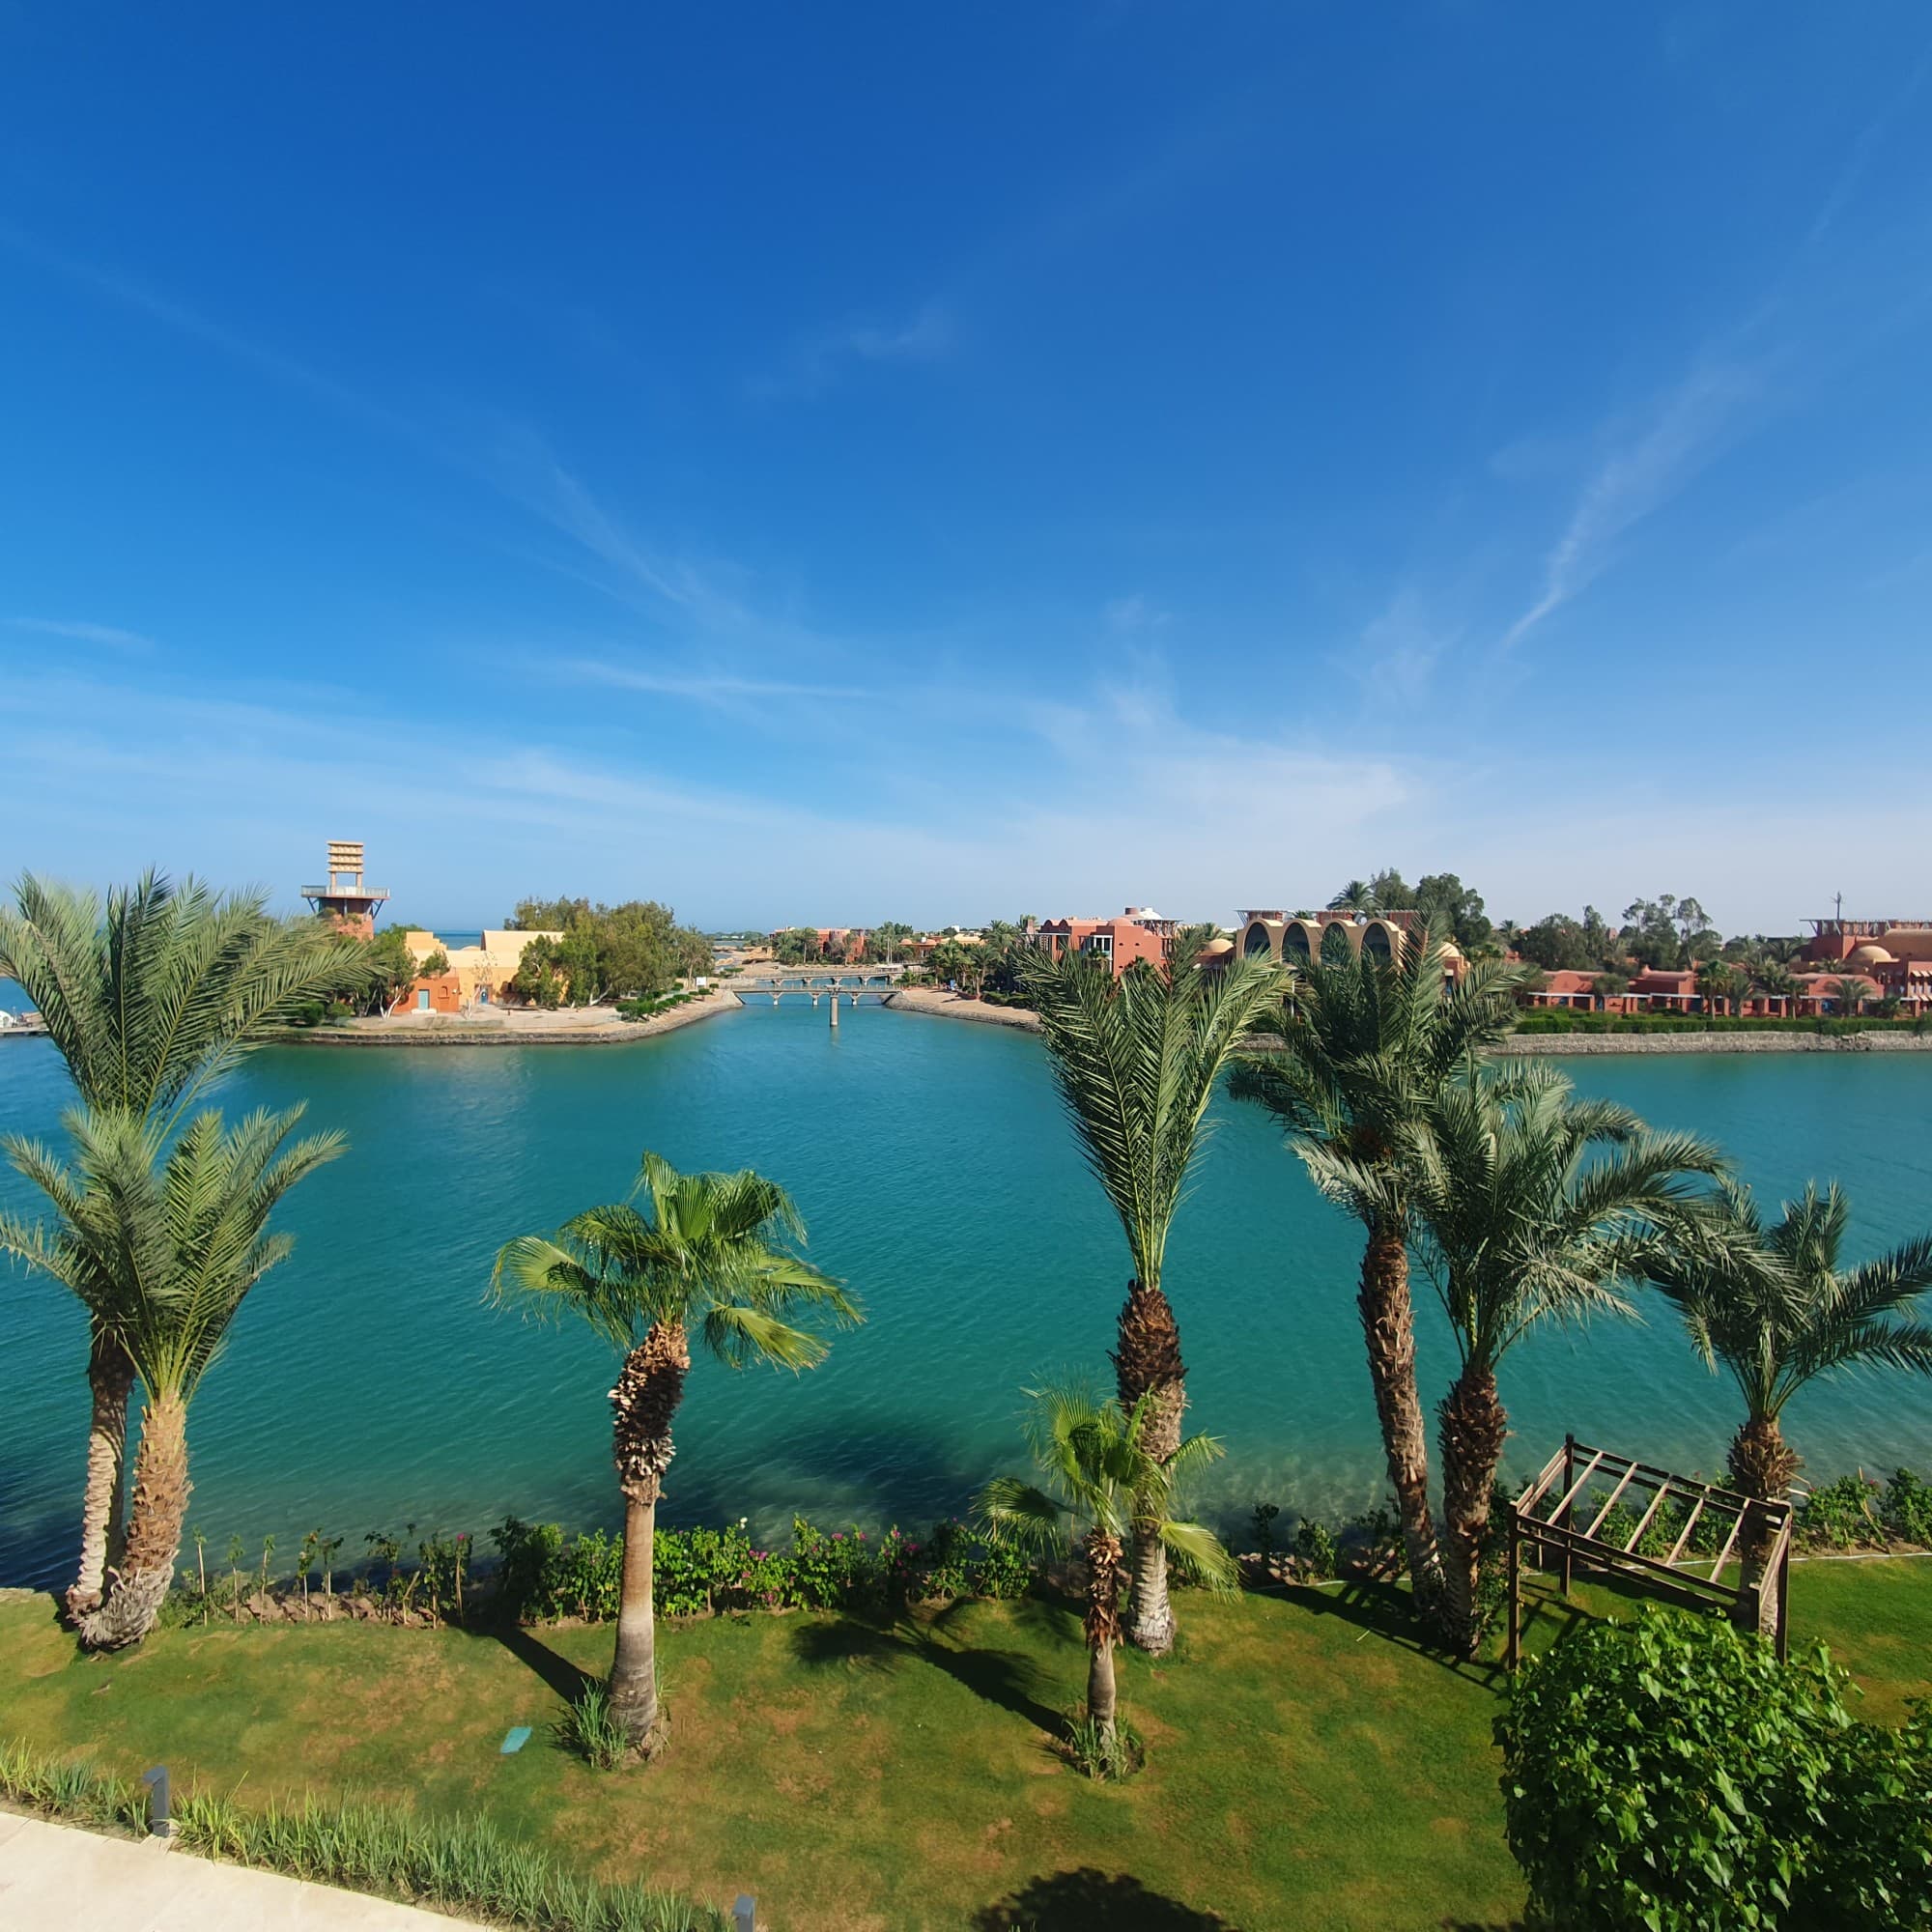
x=1311, y=1768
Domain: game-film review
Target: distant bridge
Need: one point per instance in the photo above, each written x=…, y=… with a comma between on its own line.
x=850, y=988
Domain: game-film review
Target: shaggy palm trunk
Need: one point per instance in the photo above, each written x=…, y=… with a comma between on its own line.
x=649, y=1387
x=1472, y=1427
x=1388, y=1324
x=1762, y=1464
x=134, y=1597
x=1104, y=1630
x=110, y=1381
x=1148, y=1363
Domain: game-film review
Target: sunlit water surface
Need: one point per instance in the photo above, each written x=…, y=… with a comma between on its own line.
x=368, y=1386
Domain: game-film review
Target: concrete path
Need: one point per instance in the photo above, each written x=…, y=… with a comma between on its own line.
x=52, y=1875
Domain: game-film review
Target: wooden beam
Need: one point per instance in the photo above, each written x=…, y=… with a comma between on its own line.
x=1684, y=1537
x=1643, y=1521
x=1571, y=1494
x=1625, y=1484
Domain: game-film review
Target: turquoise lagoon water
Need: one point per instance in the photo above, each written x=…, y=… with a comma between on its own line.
x=367, y=1386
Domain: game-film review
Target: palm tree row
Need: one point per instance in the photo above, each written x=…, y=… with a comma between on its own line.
x=1525, y=1205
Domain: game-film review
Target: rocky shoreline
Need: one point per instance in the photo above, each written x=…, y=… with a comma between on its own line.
x=953, y=1005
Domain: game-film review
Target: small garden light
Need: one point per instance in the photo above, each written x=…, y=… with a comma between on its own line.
x=160, y=1824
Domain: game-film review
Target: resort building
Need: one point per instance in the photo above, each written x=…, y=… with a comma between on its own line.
x=477, y=976
x=1139, y=933
x=1894, y=954
x=345, y=898
x=1298, y=938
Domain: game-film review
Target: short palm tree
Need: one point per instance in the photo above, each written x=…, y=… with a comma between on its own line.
x=1849, y=996
x=1094, y=1480
x=1774, y=1307
x=1365, y=1050
x=1357, y=895
x=1136, y=1062
x=1531, y=1206
x=708, y=1258
x=150, y=997
x=171, y=1242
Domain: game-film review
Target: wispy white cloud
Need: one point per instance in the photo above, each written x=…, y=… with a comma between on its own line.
x=701, y=686
x=110, y=635
x=1396, y=655
x=1136, y=614
x=134, y=293
x=822, y=358
x=1684, y=432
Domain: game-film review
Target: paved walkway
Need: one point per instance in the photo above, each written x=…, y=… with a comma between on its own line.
x=53, y=1875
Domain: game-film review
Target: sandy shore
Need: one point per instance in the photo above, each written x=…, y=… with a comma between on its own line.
x=952, y=1007
x=507, y=1026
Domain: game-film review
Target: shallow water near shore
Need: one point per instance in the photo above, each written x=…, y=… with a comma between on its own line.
x=367, y=1386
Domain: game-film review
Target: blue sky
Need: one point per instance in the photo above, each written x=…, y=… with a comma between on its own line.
x=858, y=462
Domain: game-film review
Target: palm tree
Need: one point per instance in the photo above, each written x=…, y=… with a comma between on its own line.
x=171, y=1244
x=1773, y=1306
x=1774, y=977
x=708, y=1258
x=1849, y=995
x=1366, y=1050
x=148, y=998
x=1095, y=1479
x=1722, y=987
x=1357, y=895
x=1531, y=1205
x=1136, y=1063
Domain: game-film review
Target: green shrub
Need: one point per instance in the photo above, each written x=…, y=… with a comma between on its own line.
x=1314, y=1548
x=1840, y=1514
x=1670, y=1775
x=1906, y=1510
x=544, y=1573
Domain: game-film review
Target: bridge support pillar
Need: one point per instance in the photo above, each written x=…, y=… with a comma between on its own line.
x=835, y=1009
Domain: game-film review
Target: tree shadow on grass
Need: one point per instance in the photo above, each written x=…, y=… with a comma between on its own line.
x=1007, y=1678
x=1088, y=1900
x=568, y=1679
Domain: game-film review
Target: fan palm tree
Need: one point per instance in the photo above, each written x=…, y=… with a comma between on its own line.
x=171, y=1243
x=1365, y=1050
x=148, y=998
x=1136, y=1063
x=709, y=1258
x=1095, y=1479
x=1531, y=1205
x=1774, y=1307
x=1357, y=895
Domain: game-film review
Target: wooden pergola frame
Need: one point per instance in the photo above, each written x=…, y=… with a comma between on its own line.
x=1544, y=1519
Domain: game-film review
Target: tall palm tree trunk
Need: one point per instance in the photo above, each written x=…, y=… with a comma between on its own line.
x=110, y=1381
x=1104, y=1630
x=1472, y=1429
x=1148, y=1364
x=1388, y=1323
x=649, y=1389
x=1762, y=1463
x=155, y=1522
x=633, y=1670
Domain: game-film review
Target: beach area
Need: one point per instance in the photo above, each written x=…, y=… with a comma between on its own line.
x=509, y=1026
